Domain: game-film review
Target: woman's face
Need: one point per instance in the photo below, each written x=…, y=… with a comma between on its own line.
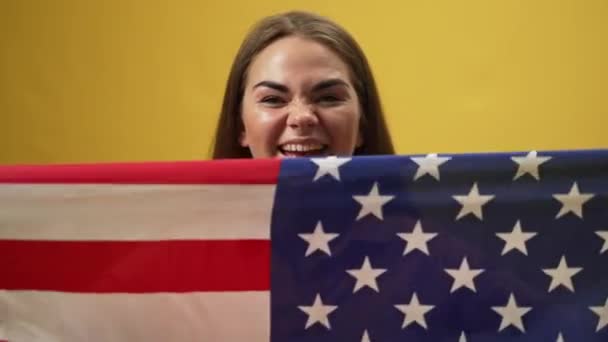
x=299, y=101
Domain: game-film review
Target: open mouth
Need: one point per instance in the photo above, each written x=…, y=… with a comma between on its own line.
x=303, y=150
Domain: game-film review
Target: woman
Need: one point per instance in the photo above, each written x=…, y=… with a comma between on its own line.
x=300, y=86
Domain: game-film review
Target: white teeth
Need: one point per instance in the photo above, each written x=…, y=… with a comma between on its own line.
x=301, y=147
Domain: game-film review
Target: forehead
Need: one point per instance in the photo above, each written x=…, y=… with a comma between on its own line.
x=295, y=60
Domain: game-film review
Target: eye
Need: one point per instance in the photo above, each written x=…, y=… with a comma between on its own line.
x=272, y=100
x=329, y=99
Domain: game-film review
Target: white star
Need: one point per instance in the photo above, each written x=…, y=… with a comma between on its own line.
x=603, y=235
x=472, y=203
x=516, y=239
x=463, y=337
x=318, y=312
x=562, y=275
x=529, y=164
x=602, y=313
x=414, y=312
x=429, y=165
x=416, y=239
x=463, y=276
x=572, y=201
x=365, y=337
x=511, y=314
x=560, y=338
x=366, y=276
x=372, y=203
x=318, y=240
x=329, y=166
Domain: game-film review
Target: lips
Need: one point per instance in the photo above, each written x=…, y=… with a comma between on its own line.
x=302, y=149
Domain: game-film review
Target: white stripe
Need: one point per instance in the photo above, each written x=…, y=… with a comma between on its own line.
x=163, y=317
x=135, y=212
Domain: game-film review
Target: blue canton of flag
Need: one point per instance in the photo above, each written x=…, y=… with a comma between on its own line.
x=476, y=247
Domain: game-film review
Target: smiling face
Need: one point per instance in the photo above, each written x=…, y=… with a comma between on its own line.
x=299, y=101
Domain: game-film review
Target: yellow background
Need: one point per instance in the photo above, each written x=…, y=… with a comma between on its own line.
x=123, y=80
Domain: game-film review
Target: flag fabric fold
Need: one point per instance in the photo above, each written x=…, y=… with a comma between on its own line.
x=454, y=247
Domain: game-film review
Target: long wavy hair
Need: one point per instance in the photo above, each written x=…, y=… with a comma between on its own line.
x=376, y=138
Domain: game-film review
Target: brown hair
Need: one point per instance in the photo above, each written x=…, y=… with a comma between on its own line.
x=376, y=138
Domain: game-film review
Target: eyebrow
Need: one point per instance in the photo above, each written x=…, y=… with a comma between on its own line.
x=319, y=86
x=273, y=85
x=328, y=84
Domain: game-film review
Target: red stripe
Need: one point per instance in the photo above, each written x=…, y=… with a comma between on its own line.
x=138, y=267
x=229, y=171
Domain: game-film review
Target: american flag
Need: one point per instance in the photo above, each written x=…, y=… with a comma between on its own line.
x=461, y=247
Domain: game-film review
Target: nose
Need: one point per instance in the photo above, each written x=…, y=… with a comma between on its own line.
x=302, y=116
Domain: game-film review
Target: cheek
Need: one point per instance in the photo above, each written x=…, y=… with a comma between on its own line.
x=343, y=128
x=262, y=127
